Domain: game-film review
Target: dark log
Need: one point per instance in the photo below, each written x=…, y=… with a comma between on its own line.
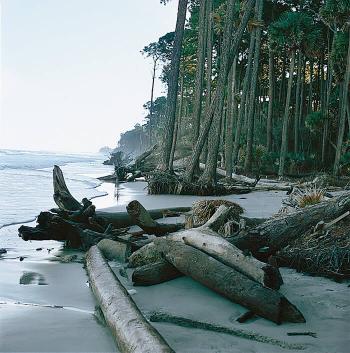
x=278, y=232
x=144, y=155
x=246, y=316
x=132, y=331
x=156, y=273
x=230, y=283
x=123, y=219
x=63, y=198
x=143, y=219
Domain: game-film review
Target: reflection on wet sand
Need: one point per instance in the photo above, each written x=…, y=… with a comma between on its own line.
x=32, y=278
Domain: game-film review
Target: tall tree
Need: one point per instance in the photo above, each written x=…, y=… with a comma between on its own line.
x=219, y=92
x=253, y=84
x=173, y=87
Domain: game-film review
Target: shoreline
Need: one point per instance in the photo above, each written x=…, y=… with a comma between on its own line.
x=323, y=302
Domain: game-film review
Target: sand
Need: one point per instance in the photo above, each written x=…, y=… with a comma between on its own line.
x=73, y=327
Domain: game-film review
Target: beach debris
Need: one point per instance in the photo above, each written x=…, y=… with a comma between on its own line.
x=3, y=251
x=114, y=250
x=143, y=219
x=246, y=316
x=250, y=335
x=21, y=258
x=230, y=283
x=133, y=333
x=154, y=273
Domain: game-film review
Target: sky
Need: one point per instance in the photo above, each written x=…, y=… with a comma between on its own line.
x=72, y=76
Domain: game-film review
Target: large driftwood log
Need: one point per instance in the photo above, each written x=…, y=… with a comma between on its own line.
x=132, y=331
x=276, y=233
x=230, y=283
x=230, y=255
x=143, y=219
x=144, y=155
x=155, y=273
x=206, y=239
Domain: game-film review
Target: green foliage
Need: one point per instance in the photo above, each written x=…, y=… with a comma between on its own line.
x=294, y=30
x=314, y=121
x=336, y=11
x=339, y=54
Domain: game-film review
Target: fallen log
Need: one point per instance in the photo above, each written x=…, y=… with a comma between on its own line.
x=230, y=283
x=131, y=330
x=143, y=219
x=144, y=155
x=206, y=239
x=250, y=335
x=231, y=256
x=155, y=273
x=277, y=232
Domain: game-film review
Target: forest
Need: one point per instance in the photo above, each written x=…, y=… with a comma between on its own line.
x=254, y=87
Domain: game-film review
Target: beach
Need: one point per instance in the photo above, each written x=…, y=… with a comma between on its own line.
x=47, y=306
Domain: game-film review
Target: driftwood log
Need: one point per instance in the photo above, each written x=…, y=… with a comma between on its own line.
x=230, y=255
x=155, y=273
x=206, y=238
x=274, y=234
x=230, y=283
x=132, y=331
x=144, y=220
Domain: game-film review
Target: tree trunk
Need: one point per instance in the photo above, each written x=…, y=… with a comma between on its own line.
x=230, y=283
x=284, y=143
x=344, y=103
x=142, y=218
x=278, y=232
x=152, y=102
x=251, y=107
x=155, y=273
x=131, y=330
x=209, y=175
x=242, y=105
x=173, y=87
x=297, y=102
x=219, y=92
x=230, y=120
x=271, y=97
x=198, y=86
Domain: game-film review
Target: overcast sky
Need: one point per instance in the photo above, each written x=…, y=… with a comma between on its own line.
x=73, y=77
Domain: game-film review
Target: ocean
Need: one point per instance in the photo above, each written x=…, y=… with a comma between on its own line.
x=26, y=181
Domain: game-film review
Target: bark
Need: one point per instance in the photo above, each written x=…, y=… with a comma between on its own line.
x=251, y=107
x=242, y=105
x=173, y=87
x=219, y=93
x=297, y=103
x=231, y=256
x=278, y=232
x=143, y=219
x=284, y=143
x=230, y=283
x=209, y=175
x=62, y=197
x=198, y=88
x=344, y=103
x=271, y=97
x=132, y=331
x=144, y=155
x=230, y=120
x=155, y=273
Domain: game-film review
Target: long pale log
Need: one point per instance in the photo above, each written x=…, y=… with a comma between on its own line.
x=156, y=273
x=231, y=256
x=230, y=283
x=132, y=331
x=143, y=219
x=278, y=232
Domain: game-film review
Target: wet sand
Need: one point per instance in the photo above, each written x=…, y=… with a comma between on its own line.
x=59, y=315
